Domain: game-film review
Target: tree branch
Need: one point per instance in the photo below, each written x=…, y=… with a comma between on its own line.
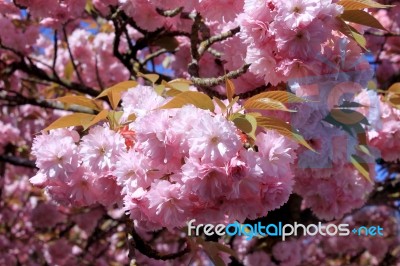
x=136, y=242
x=210, y=82
x=204, y=45
x=17, y=161
x=72, y=57
x=22, y=100
x=169, y=13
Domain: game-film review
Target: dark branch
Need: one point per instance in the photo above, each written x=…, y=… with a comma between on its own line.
x=19, y=99
x=72, y=57
x=138, y=243
x=17, y=161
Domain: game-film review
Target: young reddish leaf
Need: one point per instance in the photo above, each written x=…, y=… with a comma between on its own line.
x=221, y=105
x=68, y=70
x=114, y=118
x=361, y=166
x=352, y=33
x=348, y=117
x=230, y=89
x=114, y=93
x=79, y=100
x=131, y=118
x=282, y=128
x=151, y=77
x=179, y=84
x=280, y=96
x=159, y=89
x=120, y=87
x=172, y=92
x=266, y=104
x=361, y=4
x=362, y=17
x=395, y=88
x=235, y=100
x=393, y=95
x=198, y=99
x=76, y=119
x=99, y=117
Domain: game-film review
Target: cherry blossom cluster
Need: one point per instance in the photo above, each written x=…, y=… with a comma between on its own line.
x=187, y=163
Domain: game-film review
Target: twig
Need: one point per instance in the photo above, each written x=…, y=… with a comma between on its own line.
x=55, y=50
x=72, y=57
x=138, y=243
x=210, y=82
x=156, y=54
x=169, y=13
x=22, y=100
x=204, y=45
x=99, y=81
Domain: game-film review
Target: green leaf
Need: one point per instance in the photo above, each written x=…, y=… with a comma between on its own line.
x=282, y=128
x=195, y=98
x=361, y=166
x=246, y=123
x=79, y=100
x=114, y=93
x=76, y=119
x=361, y=4
x=363, y=18
x=266, y=104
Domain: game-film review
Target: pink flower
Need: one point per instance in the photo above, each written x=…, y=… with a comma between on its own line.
x=140, y=100
x=301, y=42
x=278, y=151
x=205, y=181
x=56, y=153
x=133, y=169
x=298, y=12
x=288, y=252
x=213, y=139
x=166, y=204
x=46, y=215
x=100, y=148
